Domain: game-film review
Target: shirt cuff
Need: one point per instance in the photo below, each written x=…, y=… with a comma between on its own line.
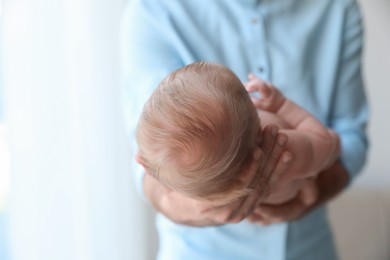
x=353, y=157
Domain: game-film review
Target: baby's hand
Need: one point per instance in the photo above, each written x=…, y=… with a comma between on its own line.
x=271, y=99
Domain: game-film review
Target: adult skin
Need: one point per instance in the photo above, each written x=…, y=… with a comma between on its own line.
x=325, y=187
x=269, y=162
x=264, y=172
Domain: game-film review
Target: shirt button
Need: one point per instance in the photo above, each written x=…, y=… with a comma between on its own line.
x=254, y=21
x=260, y=69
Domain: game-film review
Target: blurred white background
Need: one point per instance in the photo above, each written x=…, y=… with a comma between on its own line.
x=70, y=194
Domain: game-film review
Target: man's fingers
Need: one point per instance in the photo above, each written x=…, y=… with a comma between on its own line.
x=245, y=208
x=237, y=211
x=268, y=165
x=248, y=177
x=283, y=212
x=282, y=166
x=309, y=192
x=256, y=182
x=273, y=150
x=255, y=218
x=224, y=215
x=270, y=133
x=260, y=181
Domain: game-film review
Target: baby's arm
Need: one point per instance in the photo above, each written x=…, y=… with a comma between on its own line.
x=323, y=141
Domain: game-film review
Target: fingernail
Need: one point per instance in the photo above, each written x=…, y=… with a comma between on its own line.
x=282, y=140
x=286, y=158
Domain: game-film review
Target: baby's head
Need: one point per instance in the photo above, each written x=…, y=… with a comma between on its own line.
x=198, y=132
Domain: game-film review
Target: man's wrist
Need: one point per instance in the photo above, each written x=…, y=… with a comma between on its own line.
x=331, y=182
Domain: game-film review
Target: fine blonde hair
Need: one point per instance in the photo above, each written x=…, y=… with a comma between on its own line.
x=197, y=132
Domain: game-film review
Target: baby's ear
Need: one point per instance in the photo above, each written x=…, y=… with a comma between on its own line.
x=139, y=160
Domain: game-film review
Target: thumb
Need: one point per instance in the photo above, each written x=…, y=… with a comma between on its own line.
x=309, y=192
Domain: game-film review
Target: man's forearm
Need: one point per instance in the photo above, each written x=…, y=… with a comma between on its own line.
x=331, y=182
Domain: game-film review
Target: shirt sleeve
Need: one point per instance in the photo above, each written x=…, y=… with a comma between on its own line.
x=148, y=57
x=350, y=110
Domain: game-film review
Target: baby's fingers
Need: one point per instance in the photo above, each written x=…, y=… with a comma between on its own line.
x=259, y=103
x=257, y=84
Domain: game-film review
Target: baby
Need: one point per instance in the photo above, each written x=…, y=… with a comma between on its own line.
x=199, y=128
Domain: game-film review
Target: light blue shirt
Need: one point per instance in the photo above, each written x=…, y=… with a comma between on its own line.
x=310, y=50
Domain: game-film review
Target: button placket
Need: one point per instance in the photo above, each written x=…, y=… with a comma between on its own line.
x=260, y=62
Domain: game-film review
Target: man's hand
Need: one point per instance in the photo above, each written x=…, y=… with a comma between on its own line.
x=316, y=192
x=262, y=176
x=294, y=209
x=268, y=165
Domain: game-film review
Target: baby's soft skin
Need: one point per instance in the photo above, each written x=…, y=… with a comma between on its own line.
x=314, y=146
